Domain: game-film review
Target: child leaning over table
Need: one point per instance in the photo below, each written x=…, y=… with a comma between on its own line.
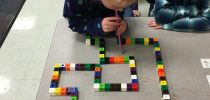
x=96, y=17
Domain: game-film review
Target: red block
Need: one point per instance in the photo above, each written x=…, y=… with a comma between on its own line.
x=135, y=87
x=111, y=60
x=161, y=72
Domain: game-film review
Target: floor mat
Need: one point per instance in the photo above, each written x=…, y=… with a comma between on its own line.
x=9, y=9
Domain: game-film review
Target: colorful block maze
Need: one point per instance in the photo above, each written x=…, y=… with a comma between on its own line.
x=98, y=86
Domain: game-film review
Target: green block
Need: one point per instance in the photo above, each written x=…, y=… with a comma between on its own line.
x=102, y=87
x=98, y=65
x=141, y=40
x=159, y=62
x=101, y=49
x=97, y=81
x=97, y=42
x=132, y=41
x=107, y=87
x=102, y=62
x=73, y=97
x=126, y=59
x=87, y=67
x=156, y=44
x=164, y=87
x=102, y=59
x=88, y=37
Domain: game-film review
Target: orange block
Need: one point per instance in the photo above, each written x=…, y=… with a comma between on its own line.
x=117, y=60
x=161, y=72
x=128, y=41
x=98, y=69
x=55, y=78
x=63, y=91
x=67, y=67
x=155, y=39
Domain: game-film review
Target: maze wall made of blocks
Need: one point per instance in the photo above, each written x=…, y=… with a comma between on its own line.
x=98, y=86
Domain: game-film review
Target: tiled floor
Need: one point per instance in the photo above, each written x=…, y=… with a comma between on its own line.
x=25, y=50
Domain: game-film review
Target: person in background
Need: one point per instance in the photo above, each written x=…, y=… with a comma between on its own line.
x=96, y=17
x=181, y=15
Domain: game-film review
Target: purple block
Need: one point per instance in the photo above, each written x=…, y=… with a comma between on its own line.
x=77, y=67
x=68, y=91
x=129, y=87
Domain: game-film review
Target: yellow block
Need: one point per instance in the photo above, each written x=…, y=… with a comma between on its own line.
x=132, y=65
x=56, y=73
x=163, y=83
x=57, y=65
x=57, y=91
x=157, y=48
x=146, y=41
x=101, y=55
x=160, y=66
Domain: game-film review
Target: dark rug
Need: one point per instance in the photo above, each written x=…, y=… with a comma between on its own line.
x=9, y=9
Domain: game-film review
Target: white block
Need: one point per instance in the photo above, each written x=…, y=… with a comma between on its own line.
x=132, y=62
x=133, y=76
x=72, y=67
x=166, y=97
x=123, y=87
x=88, y=42
x=96, y=87
x=205, y=62
x=52, y=91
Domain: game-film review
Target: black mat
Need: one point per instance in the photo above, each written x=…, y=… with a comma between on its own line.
x=9, y=9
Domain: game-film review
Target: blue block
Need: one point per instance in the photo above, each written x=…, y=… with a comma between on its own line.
x=157, y=53
x=74, y=91
x=53, y=85
x=97, y=73
x=134, y=80
x=62, y=68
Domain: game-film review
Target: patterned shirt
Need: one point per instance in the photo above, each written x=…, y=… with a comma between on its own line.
x=85, y=16
x=183, y=15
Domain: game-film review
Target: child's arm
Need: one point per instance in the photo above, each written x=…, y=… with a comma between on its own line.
x=79, y=17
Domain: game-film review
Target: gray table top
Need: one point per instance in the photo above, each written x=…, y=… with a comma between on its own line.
x=181, y=53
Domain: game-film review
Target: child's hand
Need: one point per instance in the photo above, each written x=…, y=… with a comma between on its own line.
x=110, y=24
x=122, y=27
x=153, y=24
x=136, y=13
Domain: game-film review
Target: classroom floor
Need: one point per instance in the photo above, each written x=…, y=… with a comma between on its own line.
x=24, y=52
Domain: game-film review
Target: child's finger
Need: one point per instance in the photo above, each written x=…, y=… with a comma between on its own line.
x=113, y=18
x=122, y=29
x=158, y=27
x=109, y=23
x=108, y=30
x=153, y=25
x=151, y=21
